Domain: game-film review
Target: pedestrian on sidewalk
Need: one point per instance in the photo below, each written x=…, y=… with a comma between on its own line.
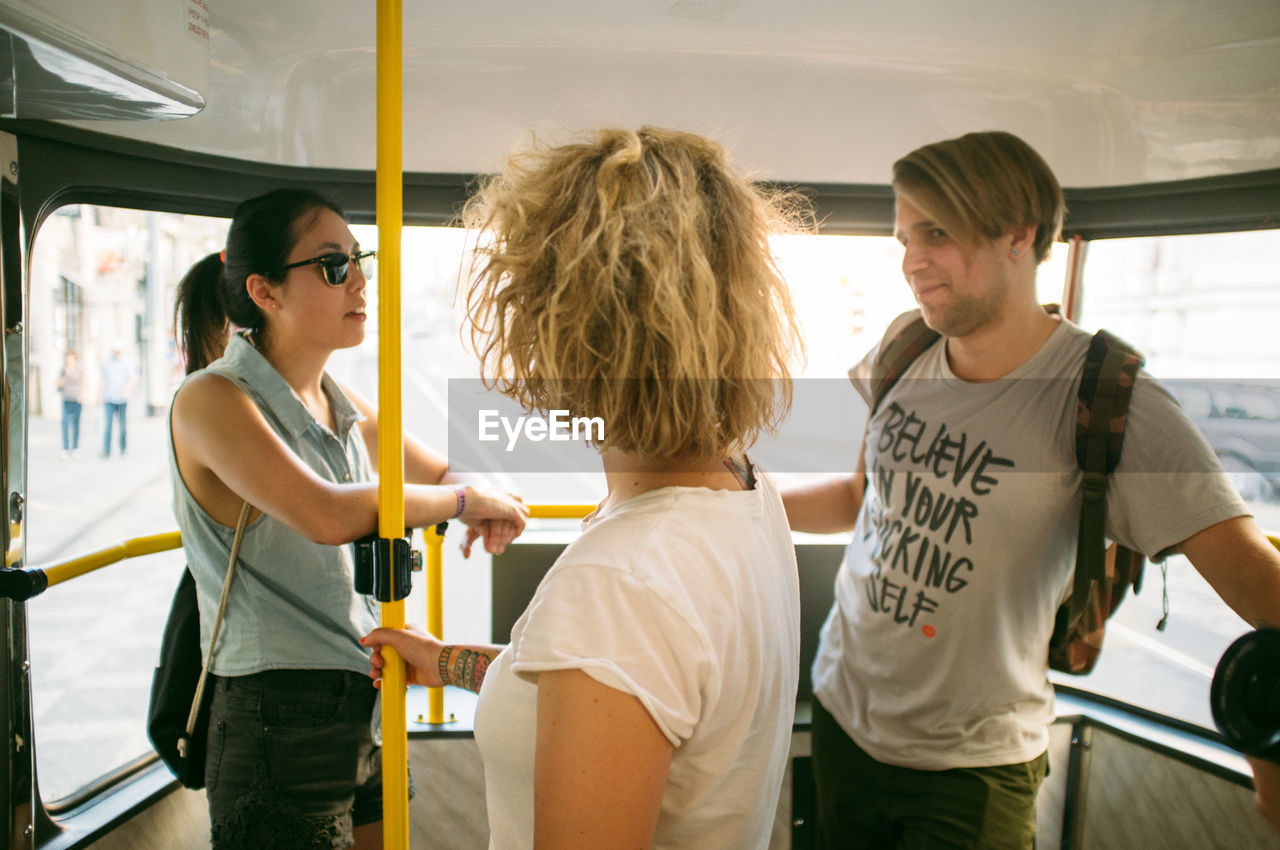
x=118, y=378
x=71, y=390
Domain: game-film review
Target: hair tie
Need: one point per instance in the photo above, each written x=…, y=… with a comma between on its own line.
x=222, y=255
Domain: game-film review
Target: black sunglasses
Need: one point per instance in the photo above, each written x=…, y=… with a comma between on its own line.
x=335, y=266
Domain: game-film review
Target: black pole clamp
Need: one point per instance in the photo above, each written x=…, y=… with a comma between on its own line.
x=384, y=567
x=20, y=584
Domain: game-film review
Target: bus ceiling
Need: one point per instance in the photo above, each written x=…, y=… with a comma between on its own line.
x=1156, y=120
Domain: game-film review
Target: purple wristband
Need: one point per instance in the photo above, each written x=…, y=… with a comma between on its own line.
x=461, y=493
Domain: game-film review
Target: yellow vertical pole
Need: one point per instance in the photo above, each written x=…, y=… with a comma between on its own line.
x=390, y=212
x=435, y=612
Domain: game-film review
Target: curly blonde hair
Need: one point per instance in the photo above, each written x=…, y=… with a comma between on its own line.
x=629, y=277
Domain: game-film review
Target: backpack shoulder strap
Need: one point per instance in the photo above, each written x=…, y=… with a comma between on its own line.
x=896, y=356
x=1102, y=405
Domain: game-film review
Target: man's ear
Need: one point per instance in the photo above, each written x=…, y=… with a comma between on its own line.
x=262, y=292
x=1022, y=240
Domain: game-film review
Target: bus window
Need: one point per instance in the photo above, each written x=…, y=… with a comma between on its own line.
x=101, y=288
x=103, y=277
x=1204, y=310
x=846, y=290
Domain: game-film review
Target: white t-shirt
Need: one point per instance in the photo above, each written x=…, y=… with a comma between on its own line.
x=688, y=599
x=935, y=653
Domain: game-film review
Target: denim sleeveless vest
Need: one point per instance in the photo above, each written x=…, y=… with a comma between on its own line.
x=292, y=603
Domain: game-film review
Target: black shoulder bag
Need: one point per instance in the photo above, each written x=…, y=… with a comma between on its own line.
x=178, y=715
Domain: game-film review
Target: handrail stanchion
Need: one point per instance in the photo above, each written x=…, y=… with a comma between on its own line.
x=390, y=211
x=435, y=609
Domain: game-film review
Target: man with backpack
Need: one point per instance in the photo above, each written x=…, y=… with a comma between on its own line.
x=932, y=701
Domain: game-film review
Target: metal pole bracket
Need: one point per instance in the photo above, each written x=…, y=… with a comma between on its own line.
x=384, y=567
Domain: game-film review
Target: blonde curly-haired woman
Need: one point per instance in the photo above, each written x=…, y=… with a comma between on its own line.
x=648, y=692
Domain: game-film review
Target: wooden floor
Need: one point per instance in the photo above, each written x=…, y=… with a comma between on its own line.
x=447, y=811
x=1132, y=797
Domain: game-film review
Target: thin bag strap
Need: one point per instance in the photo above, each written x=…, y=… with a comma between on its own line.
x=217, y=625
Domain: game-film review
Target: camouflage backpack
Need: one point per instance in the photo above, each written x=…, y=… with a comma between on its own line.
x=1103, y=573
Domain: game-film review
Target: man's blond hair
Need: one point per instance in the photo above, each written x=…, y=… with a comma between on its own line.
x=983, y=185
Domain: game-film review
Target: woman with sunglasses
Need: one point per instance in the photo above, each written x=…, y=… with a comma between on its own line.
x=291, y=760
x=647, y=695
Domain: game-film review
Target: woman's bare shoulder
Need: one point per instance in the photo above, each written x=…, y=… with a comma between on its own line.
x=210, y=394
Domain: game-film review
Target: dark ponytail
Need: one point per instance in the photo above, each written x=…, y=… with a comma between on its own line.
x=213, y=293
x=198, y=314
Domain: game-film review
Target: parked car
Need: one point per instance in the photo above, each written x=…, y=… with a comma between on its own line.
x=1241, y=421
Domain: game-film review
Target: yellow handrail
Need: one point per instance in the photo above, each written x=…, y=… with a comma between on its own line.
x=560, y=511
x=435, y=611
x=435, y=580
x=389, y=180
x=132, y=548
x=151, y=544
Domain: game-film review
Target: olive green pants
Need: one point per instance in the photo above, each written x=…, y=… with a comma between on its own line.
x=864, y=803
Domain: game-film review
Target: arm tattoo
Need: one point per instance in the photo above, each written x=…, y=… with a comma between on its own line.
x=468, y=671
x=468, y=668
x=482, y=664
x=460, y=668
x=442, y=665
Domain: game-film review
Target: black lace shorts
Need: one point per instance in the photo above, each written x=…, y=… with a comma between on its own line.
x=291, y=760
